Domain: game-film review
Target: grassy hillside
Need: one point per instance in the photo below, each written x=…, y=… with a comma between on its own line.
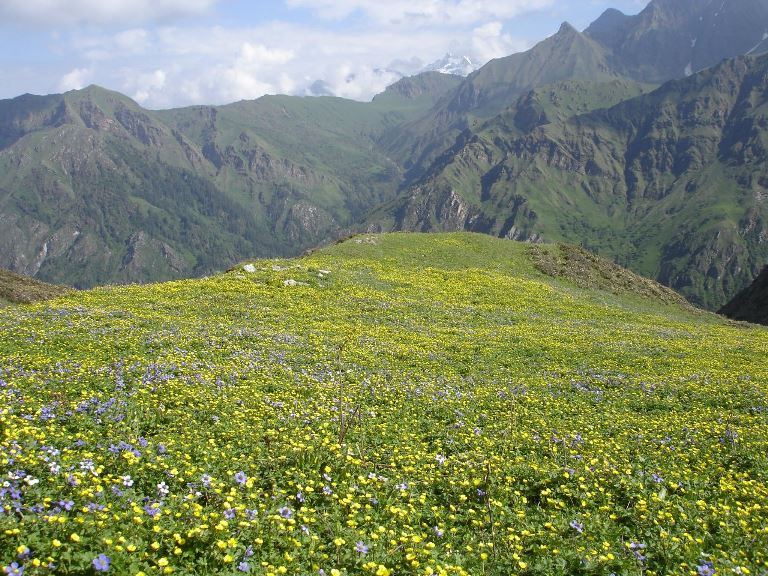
x=399, y=404
x=16, y=289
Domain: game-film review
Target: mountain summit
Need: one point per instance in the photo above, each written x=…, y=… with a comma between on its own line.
x=670, y=38
x=452, y=64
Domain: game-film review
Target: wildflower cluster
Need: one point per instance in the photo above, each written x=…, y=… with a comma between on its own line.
x=406, y=405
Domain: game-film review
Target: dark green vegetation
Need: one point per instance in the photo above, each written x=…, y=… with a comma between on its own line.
x=751, y=304
x=571, y=141
x=17, y=289
x=397, y=405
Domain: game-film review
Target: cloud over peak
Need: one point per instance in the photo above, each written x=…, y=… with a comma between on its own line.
x=99, y=12
x=421, y=12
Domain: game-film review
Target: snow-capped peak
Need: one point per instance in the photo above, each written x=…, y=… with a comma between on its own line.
x=452, y=64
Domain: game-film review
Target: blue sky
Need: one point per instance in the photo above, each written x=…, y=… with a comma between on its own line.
x=166, y=53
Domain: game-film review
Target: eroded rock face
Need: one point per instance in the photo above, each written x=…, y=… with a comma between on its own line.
x=751, y=304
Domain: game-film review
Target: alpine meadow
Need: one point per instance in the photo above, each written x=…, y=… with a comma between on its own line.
x=500, y=314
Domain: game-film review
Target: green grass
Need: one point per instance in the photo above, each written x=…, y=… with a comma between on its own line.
x=393, y=405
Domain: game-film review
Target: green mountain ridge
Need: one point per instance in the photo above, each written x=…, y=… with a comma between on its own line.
x=94, y=189
x=670, y=183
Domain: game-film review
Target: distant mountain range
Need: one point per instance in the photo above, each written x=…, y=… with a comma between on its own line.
x=94, y=189
x=630, y=138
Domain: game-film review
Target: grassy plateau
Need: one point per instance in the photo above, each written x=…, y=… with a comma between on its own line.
x=395, y=404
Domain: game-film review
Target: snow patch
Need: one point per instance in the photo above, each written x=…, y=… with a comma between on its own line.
x=452, y=64
x=756, y=46
x=688, y=69
x=693, y=43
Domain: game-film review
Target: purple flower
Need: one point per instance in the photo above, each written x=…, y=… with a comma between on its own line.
x=67, y=504
x=241, y=478
x=162, y=489
x=206, y=480
x=637, y=549
x=24, y=553
x=706, y=569
x=439, y=533
x=101, y=563
x=578, y=526
x=244, y=566
x=656, y=478
x=14, y=569
x=327, y=490
x=300, y=497
x=229, y=513
x=248, y=552
x=285, y=512
x=361, y=548
x=152, y=509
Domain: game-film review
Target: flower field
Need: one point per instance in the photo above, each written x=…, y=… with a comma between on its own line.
x=400, y=404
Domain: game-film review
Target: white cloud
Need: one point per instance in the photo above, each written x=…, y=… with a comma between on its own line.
x=422, y=12
x=75, y=79
x=163, y=65
x=148, y=85
x=100, y=12
x=278, y=58
x=489, y=41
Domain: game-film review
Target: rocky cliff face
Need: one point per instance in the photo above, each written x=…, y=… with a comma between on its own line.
x=673, y=38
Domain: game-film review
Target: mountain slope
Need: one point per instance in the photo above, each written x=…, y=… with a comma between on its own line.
x=672, y=38
x=670, y=183
x=567, y=55
x=751, y=304
x=669, y=39
x=435, y=391
x=94, y=189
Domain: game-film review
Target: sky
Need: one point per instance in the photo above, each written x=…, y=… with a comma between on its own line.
x=171, y=53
